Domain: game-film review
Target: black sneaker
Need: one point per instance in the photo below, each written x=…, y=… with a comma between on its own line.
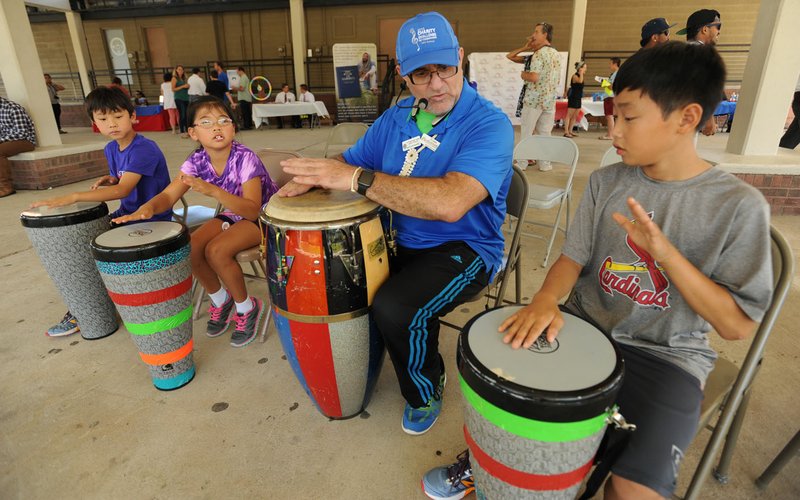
x=219, y=318
x=247, y=324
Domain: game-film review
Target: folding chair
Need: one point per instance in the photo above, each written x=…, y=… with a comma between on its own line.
x=728, y=387
x=196, y=215
x=516, y=208
x=557, y=150
x=343, y=136
x=610, y=157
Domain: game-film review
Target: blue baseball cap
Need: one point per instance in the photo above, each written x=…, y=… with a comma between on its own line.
x=426, y=39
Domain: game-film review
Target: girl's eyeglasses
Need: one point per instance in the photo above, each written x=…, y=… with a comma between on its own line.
x=222, y=121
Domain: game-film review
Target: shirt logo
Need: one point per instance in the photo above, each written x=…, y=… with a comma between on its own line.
x=624, y=278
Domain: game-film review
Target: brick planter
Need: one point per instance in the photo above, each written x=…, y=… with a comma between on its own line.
x=782, y=191
x=42, y=169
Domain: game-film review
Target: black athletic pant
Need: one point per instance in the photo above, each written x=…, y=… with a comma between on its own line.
x=424, y=286
x=791, y=138
x=57, y=114
x=246, y=107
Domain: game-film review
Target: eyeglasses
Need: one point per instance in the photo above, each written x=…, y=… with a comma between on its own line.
x=222, y=121
x=715, y=25
x=422, y=76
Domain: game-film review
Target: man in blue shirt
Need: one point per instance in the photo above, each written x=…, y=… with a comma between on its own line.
x=441, y=161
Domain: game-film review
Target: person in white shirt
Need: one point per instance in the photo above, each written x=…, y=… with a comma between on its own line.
x=197, y=87
x=305, y=95
x=285, y=97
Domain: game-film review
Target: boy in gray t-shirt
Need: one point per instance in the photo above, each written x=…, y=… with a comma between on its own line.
x=663, y=249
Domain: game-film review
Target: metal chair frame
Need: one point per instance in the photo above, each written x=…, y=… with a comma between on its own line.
x=558, y=150
x=344, y=134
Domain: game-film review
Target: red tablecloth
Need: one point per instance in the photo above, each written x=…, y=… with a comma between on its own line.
x=561, y=111
x=153, y=123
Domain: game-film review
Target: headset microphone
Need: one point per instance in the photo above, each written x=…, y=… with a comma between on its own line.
x=421, y=105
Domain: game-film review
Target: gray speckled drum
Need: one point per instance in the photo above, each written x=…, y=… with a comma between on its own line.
x=61, y=238
x=147, y=272
x=535, y=417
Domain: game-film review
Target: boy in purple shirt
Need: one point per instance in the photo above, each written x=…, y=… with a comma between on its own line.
x=137, y=168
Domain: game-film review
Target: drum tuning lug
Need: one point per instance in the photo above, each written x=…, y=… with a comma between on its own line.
x=616, y=419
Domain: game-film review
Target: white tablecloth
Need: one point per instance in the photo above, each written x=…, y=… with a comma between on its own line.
x=263, y=111
x=594, y=108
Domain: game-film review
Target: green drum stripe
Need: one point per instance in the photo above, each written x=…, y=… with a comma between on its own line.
x=160, y=325
x=553, y=432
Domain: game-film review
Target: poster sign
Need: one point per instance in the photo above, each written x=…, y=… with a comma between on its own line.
x=499, y=81
x=356, y=81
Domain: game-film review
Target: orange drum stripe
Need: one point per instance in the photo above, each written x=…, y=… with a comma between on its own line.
x=306, y=291
x=154, y=297
x=525, y=480
x=168, y=357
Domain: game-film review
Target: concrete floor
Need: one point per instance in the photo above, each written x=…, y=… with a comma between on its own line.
x=81, y=419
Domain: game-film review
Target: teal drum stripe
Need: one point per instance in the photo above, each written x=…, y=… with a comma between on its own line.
x=168, y=384
x=144, y=266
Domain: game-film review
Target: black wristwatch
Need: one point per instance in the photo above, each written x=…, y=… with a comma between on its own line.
x=365, y=179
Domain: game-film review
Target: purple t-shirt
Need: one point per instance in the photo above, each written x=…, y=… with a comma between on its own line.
x=142, y=157
x=243, y=165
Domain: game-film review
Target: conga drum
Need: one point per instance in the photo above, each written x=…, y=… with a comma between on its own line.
x=61, y=238
x=535, y=417
x=326, y=258
x=148, y=274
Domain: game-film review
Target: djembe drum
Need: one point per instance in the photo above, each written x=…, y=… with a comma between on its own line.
x=61, y=237
x=326, y=258
x=535, y=417
x=148, y=274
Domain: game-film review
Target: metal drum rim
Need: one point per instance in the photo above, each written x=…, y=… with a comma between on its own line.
x=538, y=404
x=320, y=226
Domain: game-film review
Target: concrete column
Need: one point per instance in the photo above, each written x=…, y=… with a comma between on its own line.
x=298, y=23
x=768, y=81
x=22, y=71
x=576, y=36
x=78, y=38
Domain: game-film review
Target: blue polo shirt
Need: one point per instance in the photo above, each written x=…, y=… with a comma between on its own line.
x=142, y=157
x=476, y=139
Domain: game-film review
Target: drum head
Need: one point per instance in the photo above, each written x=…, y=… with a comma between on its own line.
x=74, y=213
x=139, y=241
x=575, y=378
x=317, y=206
x=580, y=357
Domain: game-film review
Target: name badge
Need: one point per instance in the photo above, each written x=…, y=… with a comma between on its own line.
x=429, y=142
x=411, y=143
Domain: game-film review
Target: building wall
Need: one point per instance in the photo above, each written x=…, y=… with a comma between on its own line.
x=498, y=26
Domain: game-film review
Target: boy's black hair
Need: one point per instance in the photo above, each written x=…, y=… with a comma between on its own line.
x=117, y=80
x=213, y=73
x=207, y=101
x=616, y=60
x=675, y=74
x=108, y=100
x=167, y=77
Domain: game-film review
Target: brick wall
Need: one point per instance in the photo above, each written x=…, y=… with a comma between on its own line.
x=781, y=191
x=74, y=115
x=53, y=172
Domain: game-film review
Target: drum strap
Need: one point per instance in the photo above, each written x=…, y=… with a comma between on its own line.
x=610, y=450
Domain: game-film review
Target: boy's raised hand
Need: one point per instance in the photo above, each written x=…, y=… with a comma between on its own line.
x=145, y=212
x=524, y=327
x=645, y=233
x=106, y=180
